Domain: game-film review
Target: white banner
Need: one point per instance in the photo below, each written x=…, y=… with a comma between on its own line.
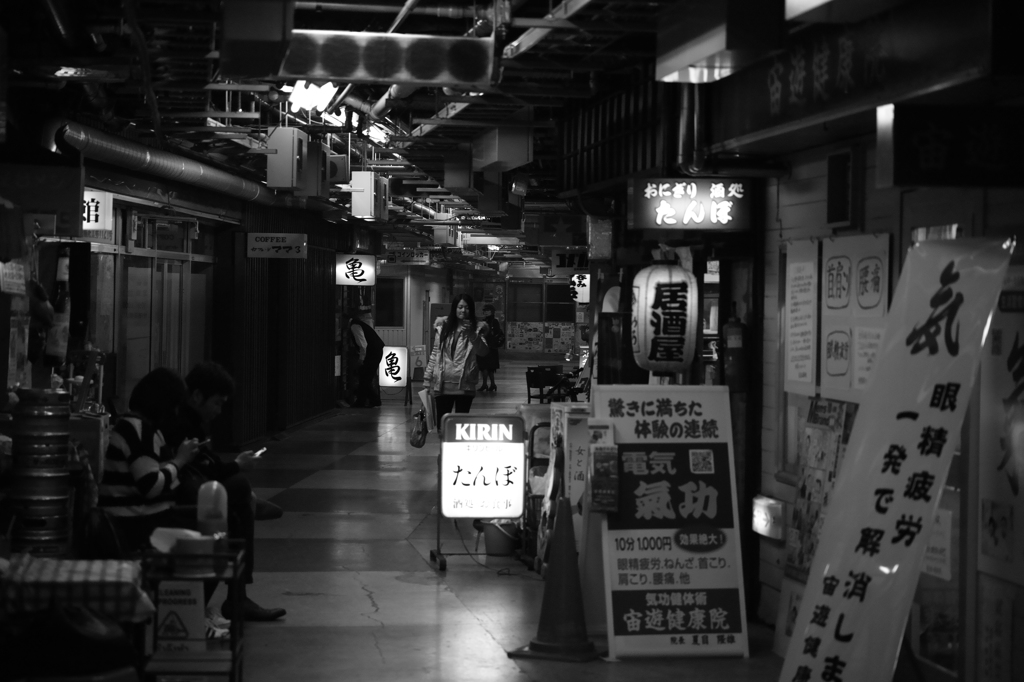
x=801, y=311
x=862, y=578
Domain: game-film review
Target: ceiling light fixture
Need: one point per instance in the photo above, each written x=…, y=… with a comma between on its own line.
x=309, y=96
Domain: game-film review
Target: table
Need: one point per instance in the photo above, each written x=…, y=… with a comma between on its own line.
x=110, y=587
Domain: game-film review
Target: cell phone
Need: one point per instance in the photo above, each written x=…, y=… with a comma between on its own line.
x=202, y=443
x=259, y=452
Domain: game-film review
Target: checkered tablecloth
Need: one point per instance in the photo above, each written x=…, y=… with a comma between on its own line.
x=113, y=588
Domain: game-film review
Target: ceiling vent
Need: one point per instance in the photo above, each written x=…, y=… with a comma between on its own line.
x=363, y=57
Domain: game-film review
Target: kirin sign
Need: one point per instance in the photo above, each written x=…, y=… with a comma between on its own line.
x=664, y=318
x=708, y=204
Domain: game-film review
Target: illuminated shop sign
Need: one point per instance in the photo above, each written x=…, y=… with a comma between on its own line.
x=712, y=204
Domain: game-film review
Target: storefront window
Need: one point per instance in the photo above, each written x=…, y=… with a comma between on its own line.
x=390, y=302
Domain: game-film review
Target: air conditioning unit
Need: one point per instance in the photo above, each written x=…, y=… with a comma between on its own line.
x=315, y=175
x=366, y=195
x=339, y=169
x=285, y=169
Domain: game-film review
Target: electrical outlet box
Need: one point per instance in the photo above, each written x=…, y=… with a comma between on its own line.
x=285, y=169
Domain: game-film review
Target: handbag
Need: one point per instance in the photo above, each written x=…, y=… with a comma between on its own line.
x=419, y=430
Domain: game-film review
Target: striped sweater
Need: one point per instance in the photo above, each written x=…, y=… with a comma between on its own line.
x=137, y=481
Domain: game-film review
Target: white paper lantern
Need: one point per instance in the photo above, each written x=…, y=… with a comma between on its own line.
x=664, y=318
x=393, y=369
x=355, y=269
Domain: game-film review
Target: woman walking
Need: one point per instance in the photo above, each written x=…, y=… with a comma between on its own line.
x=495, y=340
x=452, y=372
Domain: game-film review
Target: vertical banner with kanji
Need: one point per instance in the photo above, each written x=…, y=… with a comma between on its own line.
x=801, y=317
x=673, y=568
x=862, y=578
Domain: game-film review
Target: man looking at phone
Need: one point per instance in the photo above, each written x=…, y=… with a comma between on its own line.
x=209, y=387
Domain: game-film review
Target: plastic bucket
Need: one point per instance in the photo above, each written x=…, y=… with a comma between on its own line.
x=499, y=538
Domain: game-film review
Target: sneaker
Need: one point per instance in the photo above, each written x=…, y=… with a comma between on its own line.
x=213, y=617
x=214, y=632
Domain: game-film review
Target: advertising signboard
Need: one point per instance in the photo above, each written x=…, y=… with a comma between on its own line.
x=673, y=567
x=483, y=458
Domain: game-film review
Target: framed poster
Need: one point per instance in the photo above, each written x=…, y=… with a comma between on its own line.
x=800, y=317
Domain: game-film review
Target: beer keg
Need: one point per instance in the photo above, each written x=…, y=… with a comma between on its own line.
x=40, y=478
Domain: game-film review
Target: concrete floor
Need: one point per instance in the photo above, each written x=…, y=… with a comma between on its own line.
x=350, y=562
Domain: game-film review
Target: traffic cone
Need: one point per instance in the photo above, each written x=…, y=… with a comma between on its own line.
x=562, y=633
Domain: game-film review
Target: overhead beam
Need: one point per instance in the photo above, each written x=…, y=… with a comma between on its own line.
x=471, y=123
x=533, y=36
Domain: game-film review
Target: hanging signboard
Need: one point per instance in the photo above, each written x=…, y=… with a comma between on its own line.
x=579, y=288
x=854, y=296
x=707, y=204
x=482, y=463
x=355, y=269
x=673, y=568
x=801, y=316
x=275, y=245
x=1001, y=437
x=408, y=256
x=393, y=370
x=97, y=210
x=861, y=581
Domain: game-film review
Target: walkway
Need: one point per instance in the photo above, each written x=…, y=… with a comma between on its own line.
x=350, y=562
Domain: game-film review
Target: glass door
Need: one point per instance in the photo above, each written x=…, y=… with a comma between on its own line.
x=167, y=315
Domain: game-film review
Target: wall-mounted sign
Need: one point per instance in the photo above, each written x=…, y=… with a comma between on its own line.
x=97, y=210
x=393, y=369
x=275, y=245
x=690, y=204
x=482, y=464
x=355, y=269
x=408, y=256
x=769, y=517
x=579, y=288
x=565, y=262
x=664, y=318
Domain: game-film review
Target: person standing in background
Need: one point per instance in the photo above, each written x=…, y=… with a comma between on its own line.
x=371, y=351
x=495, y=339
x=452, y=372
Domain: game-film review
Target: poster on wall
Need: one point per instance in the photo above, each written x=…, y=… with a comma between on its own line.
x=821, y=448
x=673, y=567
x=525, y=336
x=854, y=296
x=1001, y=437
x=558, y=337
x=801, y=316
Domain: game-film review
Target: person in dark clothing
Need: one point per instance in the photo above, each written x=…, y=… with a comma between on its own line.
x=371, y=351
x=209, y=387
x=495, y=339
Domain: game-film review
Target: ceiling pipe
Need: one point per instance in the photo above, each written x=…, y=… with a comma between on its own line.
x=100, y=146
x=441, y=11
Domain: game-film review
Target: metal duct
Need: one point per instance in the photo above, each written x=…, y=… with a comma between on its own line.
x=415, y=207
x=100, y=146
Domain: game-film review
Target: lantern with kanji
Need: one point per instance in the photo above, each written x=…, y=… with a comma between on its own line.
x=393, y=369
x=664, y=319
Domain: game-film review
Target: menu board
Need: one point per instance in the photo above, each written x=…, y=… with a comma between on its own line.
x=673, y=567
x=801, y=316
x=854, y=296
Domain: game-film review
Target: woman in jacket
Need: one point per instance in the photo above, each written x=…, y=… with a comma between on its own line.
x=452, y=374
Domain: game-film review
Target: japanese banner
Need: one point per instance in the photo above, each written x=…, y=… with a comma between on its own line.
x=482, y=463
x=690, y=203
x=1001, y=438
x=275, y=245
x=862, y=578
x=393, y=370
x=673, y=569
x=355, y=269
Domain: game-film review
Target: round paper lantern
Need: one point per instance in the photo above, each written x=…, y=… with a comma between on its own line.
x=664, y=318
